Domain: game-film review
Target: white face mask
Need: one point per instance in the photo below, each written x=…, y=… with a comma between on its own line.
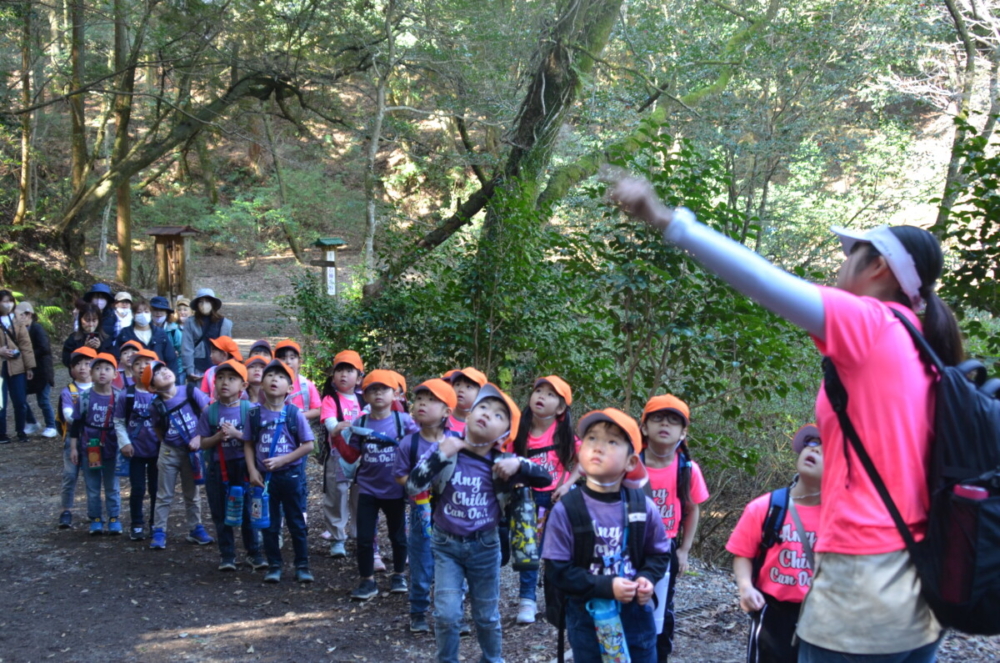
x=123, y=312
x=159, y=319
x=205, y=307
x=101, y=302
x=5, y=307
x=143, y=319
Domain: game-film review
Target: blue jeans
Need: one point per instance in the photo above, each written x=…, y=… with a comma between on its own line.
x=812, y=654
x=15, y=393
x=421, y=565
x=71, y=473
x=139, y=470
x=637, y=622
x=475, y=559
x=215, y=490
x=95, y=479
x=286, y=490
x=529, y=579
x=45, y=404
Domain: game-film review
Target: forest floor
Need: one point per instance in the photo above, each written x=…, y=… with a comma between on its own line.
x=72, y=597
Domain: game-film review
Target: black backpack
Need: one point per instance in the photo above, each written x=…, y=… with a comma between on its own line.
x=771, y=528
x=959, y=559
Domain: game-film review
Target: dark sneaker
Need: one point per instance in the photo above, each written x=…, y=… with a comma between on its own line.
x=418, y=623
x=303, y=575
x=365, y=591
x=227, y=565
x=159, y=539
x=273, y=575
x=4, y=440
x=114, y=526
x=399, y=584
x=65, y=520
x=256, y=562
x=96, y=527
x=200, y=536
x=137, y=533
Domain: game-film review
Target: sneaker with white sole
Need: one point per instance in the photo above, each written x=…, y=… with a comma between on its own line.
x=200, y=536
x=50, y=432
x=365, y=591
x=137, y=533
x=31, y=429
x=227, y=565
x=418, y=623
x=399, y=585
x=158, y=541
x=526, y=611
x=114, y=526
x=96, y=527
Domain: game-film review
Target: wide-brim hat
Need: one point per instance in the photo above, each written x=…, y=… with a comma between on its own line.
x=559, y=386
x=803, y=435
x=98, y=289
x=489, y=390
x=206, y=293
x=611, y=416
x=160, y=303
x=440, y=389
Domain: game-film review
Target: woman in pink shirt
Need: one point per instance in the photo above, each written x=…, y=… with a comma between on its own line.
x=865, y=603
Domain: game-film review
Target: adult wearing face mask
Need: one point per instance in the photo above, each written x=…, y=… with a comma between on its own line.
x=17, y=361
x=145, y=332
x=100, y=296
x=205, y=324
x=88, y=332
x=164, y=318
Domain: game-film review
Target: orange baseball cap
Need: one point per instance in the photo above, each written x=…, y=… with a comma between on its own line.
x=104, y=356
x=136, y=345
x=256, y=359
x=278, y=365
x=287, y=344
x=148, y=354
x=803, y=435
x=667, y=402
x=472, y=374
x=233, y=365
x=612, y=416
x=86, y=351
x=400, y=380
x=440, y=389
x=492, y=391
x=228, y=346
x=559, y=386
x=382, y=377
x=349, y=357
x=448, y=375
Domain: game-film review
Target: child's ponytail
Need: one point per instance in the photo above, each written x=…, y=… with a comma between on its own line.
x=564, y=439
x=683, y=477
x=520, y=445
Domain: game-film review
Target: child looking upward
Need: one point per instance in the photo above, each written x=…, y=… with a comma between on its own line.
x=466, y=382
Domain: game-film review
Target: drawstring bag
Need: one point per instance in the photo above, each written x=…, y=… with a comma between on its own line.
x=524, y=550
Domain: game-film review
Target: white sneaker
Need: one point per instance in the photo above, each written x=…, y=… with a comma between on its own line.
x=526, y=611
x=50, y=432
x=379, y=564
x=31, y=429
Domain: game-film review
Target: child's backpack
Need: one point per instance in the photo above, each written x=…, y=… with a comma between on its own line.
x=246, y=408
x=164, y=413
x=684, y=470
x=351, y=469
x=959, y=559
x=74, y=395
x=583, y=545
x=771, y=527
x=130, y=410
x=306, y=399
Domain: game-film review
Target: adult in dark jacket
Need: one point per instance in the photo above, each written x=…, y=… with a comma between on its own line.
x=89, y=333
x=100, y=296
x=43, y=378
x=143, y=331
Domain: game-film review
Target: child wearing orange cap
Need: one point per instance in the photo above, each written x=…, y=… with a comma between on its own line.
x=304, y=394
x=625, y=552
x=340, y=403
x=139, y=443
x=223, y=349
x=222, y=429
x=545, y=437
x=123, y=376
x=473, y=481
x=467, y=382
x=433, y=402
x=678, y=487
x=255, y=365
x=79, y=370
x=94, y=445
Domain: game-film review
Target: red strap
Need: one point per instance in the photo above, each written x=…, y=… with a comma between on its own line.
x=222, y=461
x=107, y=418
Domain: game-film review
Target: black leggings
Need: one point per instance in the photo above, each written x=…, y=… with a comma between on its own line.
x=142, y=472
x=395, y=517
x=772, y=629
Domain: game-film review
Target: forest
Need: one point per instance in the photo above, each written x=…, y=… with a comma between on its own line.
x=457, y=147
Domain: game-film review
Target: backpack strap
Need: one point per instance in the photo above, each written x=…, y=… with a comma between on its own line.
x=583, y=528
x=414, y=443
x=213, y=417
x=192, y=400
x=304, y=388
x=399, y=425
x=531, y=453
x=771, y=528
x=636, y=525
x=129, y=403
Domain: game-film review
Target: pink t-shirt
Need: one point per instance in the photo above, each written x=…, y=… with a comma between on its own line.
x=298, y=399
x=785, y=574
x=663, y=482
x=891, y=404
x=549, y=459
x=349, y=406
x=456, y=425
x=208, y=383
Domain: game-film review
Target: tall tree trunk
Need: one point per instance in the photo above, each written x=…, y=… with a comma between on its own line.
x=293, y=241
x=123, y=114
x=78, y=139
x=24, y=182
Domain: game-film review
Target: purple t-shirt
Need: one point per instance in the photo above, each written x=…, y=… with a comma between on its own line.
x=468, y=504
x=286, y=445
x=145, y=444
x=609, y=526
x=233, y=449
x=375, y=474
x=67, y=399
x=98, y=423
x=182, y=422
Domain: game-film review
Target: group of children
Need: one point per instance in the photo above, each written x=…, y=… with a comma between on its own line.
x=454, y=458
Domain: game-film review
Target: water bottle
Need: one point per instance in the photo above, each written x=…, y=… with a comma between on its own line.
x=197, y=469
x=260, y=508
x=423, y=502
x=121, y=466
x=524, y=553
x=610, y=634
x=234, y=506
x=95, y=460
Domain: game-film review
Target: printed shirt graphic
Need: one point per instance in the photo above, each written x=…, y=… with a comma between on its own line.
x=375, y=473
x=233, y=448
x=285, y=445
x=663, y=482
x=609, y=524
x=785, y=575
x=99, y=415
x=145, y=444
x=468, y=504
x=184, y=417
x=456, y=425
x=549, y=460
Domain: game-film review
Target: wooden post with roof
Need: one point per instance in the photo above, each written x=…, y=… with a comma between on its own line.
x=173, y=250
x=330, y=245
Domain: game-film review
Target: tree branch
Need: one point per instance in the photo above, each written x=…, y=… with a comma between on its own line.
x=464, y=133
